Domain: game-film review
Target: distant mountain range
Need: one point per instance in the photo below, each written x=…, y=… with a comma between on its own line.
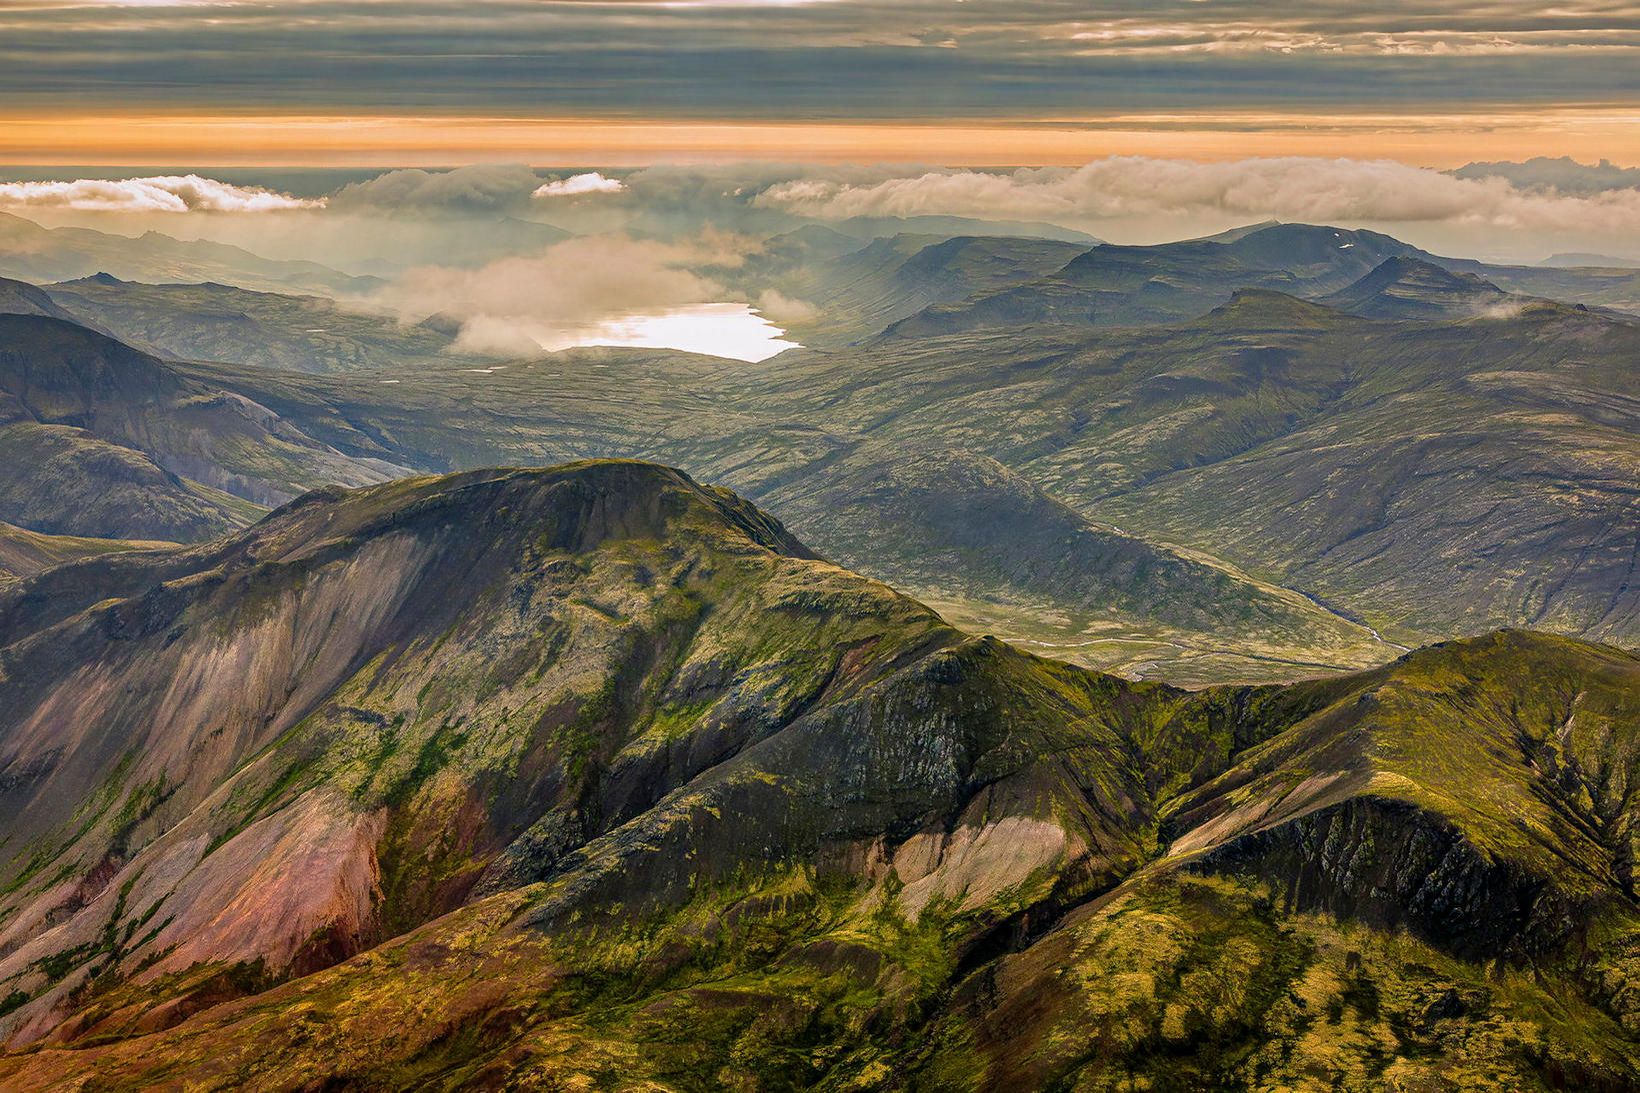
x=34, y=253
x=1599, y=261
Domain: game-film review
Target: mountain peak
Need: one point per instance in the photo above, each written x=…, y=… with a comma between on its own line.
x=1288, y=246
x=574, y=506
x=1259, y=308
x=1407, y=287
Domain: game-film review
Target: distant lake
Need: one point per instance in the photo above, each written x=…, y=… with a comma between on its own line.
x=722, y=330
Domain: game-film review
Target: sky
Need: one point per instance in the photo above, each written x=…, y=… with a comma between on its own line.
x=532, y=166
x=951, y=82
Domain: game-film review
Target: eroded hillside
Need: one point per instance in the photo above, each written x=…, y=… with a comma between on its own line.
x=595, y=775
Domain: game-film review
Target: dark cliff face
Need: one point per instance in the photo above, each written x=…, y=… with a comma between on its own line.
x=1394, y=866
x=596, y=771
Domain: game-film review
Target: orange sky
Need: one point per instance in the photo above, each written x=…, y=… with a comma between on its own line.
x=1441, y=140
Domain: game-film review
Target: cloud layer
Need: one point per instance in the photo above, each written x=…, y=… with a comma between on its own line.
x=1312, y=189
x=158, y=193
x=484, y=188
x=838, y=59
x=471, y=217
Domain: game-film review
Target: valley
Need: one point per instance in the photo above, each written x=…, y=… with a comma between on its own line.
x=1208, y=665
x=1269, y=438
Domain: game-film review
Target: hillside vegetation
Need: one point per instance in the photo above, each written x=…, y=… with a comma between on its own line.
x=595, y=776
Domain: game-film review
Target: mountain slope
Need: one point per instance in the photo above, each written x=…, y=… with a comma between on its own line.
x=359, y=715
x=1441, y=478
x=1593, y=287
x=1436, y=478
x=1364, y=899
x=24, y=553
x=860, y=291
x=888, y=510
x=630, y=789
x=1430, y=482
x=984, y=542
x=216, y=322
x=1408, y=288
x=21, y=298
x=108, y=441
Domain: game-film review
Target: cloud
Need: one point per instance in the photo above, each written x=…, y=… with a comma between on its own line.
x=484, y=188
x=593, y=182
x=515, y=305
x=1292, y=188
x=781, y=308
x=1563, y=174
x=911, y=58
x=156, y=193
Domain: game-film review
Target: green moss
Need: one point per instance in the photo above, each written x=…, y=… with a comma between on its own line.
x=12, y=1001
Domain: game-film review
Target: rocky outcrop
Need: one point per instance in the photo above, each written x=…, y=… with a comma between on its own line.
x=1393, y=865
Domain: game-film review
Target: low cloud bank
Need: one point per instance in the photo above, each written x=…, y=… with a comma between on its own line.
x=1290, y=188
x=780, y=308
x=484, y=188
x=156, y=193
x=472, y=216
x=513, y=306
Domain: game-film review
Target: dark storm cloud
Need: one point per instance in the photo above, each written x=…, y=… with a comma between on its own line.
x=794, y=61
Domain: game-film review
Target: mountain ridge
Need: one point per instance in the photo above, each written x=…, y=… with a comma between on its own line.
x=633, y=761
x=125, y=446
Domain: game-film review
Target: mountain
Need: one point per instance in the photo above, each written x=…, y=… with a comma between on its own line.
x=30, y=252
x=1614, y=288
x=1428, y=479
x=1433, y=479
x=21, y=298
x=99, y=439
x=216, y=322
x=1408, y=288
x=940, y=522
x=1598, y=261
x=24, y=553
x=1120, y=286
x=613, y=634
x=859, y=291
x=631, y=788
